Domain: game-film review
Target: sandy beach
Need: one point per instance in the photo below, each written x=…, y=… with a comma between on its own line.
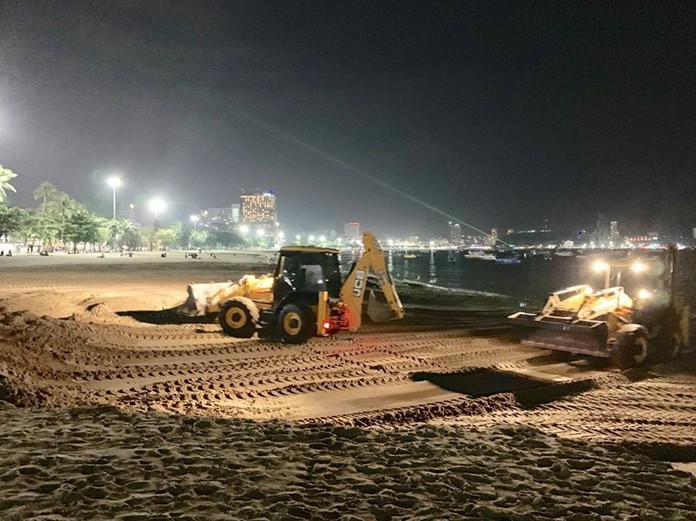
x=117, y=407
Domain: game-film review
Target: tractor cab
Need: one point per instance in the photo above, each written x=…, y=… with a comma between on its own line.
x=304, y=271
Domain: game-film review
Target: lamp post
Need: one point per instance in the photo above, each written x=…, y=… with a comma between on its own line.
x=156, y=206
x=194, y=220
x=114, y=182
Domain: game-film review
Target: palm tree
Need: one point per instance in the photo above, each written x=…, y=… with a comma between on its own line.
x=5, y=175
x=64, y=207
x=46, y=192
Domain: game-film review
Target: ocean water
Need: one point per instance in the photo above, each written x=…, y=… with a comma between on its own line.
x=531, y=280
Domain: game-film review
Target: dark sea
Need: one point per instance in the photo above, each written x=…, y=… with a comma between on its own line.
x=534, y=278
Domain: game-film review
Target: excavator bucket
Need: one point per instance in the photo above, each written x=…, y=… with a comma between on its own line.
x=378, y=310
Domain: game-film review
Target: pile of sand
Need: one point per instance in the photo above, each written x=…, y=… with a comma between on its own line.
x=99, y=462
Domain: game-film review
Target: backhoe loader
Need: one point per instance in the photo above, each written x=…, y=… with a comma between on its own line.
x=305, y=297
x=628, y=328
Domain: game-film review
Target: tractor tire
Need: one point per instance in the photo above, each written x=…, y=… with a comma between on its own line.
x=630, y=350
x=296, y=324
x=238, y=319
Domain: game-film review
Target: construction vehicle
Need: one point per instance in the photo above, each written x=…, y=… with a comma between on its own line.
x=305, y=297
x=629, y=327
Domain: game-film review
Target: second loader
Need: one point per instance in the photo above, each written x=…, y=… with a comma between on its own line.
x=305, y=296
x=627, y=327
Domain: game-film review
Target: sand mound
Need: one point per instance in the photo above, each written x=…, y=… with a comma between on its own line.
x=85, y=463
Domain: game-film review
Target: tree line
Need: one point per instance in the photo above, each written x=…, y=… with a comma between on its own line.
x=63, y=223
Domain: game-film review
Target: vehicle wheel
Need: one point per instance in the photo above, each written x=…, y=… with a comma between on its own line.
x=237, y=320
x=629, y=350
x=296, y=324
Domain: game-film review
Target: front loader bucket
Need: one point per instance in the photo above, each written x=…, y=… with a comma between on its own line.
x=379, y=311
x=190, y=308
x=204, y=298
x=585, y=338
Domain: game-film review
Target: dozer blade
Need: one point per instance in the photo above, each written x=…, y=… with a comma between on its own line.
x=379, y=311
x=575, y=338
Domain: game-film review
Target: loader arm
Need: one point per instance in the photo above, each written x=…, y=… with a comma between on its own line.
x=353, y=289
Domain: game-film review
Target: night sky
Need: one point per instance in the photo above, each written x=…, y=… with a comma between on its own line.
x=499, y=114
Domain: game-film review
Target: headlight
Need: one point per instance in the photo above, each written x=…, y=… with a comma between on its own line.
x=644, y=294
x=638, y=267
x=600, y=266
x=589, y=291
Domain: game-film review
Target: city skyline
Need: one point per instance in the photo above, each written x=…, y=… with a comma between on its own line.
x=496, y=115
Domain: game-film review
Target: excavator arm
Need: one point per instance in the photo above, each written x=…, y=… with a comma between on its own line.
x=355, y=285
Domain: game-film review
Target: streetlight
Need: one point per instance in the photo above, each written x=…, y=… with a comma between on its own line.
x=114, y=182
x=156, y=206
x=194, y=220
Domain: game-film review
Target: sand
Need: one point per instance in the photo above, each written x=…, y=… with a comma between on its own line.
x=100, y=463
x=114, y=405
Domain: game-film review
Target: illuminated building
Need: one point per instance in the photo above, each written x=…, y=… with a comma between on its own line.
x=218, y=219
x=493, y=237
x=455, y=233
x=614, y=232
x=351, y=231
x=259, y=208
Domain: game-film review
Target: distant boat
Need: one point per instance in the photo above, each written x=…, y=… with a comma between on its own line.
x=564, y=253
x=480, y=255
x=452, y=257
x=508, y=260
x=410, y=255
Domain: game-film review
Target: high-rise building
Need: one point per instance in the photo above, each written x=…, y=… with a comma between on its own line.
x=455, y=233
x=217, y=219
x=351, y=231
x=614, y=236
x=259, y=208
x=235, y=213
x=602, y=231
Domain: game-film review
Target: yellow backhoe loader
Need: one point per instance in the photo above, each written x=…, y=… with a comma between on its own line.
x=629, y=327
x=305, y=297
